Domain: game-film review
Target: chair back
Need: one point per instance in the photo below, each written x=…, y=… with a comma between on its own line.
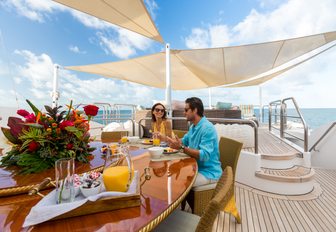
x=112, y=136
x=229, y=151
x=218, y=202
x=180, y=133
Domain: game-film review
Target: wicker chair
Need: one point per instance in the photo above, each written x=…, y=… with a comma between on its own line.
x=183, y=221
x=180, y=133
x=199, y=196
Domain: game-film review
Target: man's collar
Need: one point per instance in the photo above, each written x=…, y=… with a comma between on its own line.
x=199, y=122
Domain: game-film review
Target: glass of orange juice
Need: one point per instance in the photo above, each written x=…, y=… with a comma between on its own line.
x=114, y=148
x=156, y=140
x=118, y=170
x=124, y=139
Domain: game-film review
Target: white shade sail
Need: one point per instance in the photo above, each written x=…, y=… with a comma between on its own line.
x=203, y=68
x=129, y=14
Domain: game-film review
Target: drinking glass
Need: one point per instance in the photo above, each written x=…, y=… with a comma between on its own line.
x=64, y=177
x=118, y=170
x=156, y=140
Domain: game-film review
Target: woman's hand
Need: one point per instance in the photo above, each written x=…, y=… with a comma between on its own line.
x=159, y=136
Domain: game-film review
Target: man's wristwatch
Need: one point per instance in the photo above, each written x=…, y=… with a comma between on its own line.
x=182, y=148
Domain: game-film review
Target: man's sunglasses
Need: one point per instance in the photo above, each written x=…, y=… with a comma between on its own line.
x=158, y=110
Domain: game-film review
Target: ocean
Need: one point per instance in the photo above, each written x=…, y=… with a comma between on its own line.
x=314, y=117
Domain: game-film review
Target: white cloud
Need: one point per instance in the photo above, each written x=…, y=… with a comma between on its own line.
x=17, y=80
x=36, y=75
x=37, y=69
x=90, y=21
x=214, y=36
x=269, y=3
x=125, y=44
x=76, y=49
x=199, y=38
x=152, y=7
x=122, y=44
x=293, y=18
x=219, y=36
x=36, y=10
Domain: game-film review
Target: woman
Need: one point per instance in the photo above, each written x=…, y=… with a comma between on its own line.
x=160, y=125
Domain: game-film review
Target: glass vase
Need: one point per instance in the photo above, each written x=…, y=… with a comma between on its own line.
x=118, y=170
x=64, y=177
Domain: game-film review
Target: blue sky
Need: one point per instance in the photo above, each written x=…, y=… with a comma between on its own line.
x=35, y=34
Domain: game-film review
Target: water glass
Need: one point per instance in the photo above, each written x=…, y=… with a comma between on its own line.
x=64, y=177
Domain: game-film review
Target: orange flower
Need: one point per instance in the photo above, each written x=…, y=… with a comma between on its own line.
x=38, y=117
x=49, y=130
x=54, y=124
x=58, y=130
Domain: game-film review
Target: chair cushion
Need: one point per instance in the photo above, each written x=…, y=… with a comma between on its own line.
x=205, y=187
x=179, y=221
x=241, y=133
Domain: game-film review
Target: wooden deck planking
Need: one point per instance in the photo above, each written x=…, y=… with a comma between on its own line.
x=296, y=171
x=261, y=211
x=269, y=144
x=267, y=212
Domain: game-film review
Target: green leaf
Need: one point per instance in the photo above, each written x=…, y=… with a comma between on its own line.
x=75, y=131
x=68, y=114
x=9, y=136
x=36, y=125
x=36, y=111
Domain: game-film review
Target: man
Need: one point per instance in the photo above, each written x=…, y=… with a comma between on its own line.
x=200, y=142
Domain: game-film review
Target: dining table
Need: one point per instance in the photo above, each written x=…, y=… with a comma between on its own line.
x=169, y=183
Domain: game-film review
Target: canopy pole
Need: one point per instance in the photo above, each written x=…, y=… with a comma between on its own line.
x=210, y=99
x=55, y=94
x=168, y=80
x=260, y=105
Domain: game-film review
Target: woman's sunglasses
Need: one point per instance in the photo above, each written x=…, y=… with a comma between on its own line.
x=158, y=110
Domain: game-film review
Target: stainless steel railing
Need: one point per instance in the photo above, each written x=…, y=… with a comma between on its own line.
x=323, y=136
x=283, y=119
x=111, y=113
x=223, y=121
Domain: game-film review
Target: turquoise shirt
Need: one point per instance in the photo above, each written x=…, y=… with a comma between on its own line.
x=203, y=137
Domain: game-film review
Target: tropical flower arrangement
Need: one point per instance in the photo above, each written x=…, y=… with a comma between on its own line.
x=39, y=139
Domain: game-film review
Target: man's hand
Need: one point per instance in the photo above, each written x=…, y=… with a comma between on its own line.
x=175, y=143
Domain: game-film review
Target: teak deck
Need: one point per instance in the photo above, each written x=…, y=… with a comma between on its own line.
x=268, y=212
x=261, y=211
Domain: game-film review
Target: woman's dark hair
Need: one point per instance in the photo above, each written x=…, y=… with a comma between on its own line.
x=196, y=103
x=164, y=113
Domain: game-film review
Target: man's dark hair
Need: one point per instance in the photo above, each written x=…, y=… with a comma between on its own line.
x=196, y=103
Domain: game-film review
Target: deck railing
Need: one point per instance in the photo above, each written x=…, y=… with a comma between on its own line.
x=222, y=121
x=322, y=137
x=283, y=119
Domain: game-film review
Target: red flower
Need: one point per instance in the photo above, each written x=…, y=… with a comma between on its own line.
x=91, y=110
x=33, y=146
x=65, y=124
x=23, y=113
x=30, y=118
x=69, y=146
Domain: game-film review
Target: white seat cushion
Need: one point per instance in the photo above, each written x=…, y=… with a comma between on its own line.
x=241, y=133
x=179, y=221
x=205, y=187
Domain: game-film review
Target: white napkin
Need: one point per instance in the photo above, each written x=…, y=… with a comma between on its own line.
x=47, y=208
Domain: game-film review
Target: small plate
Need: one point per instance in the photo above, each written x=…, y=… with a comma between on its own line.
x=169, y=151
x=147, y=142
